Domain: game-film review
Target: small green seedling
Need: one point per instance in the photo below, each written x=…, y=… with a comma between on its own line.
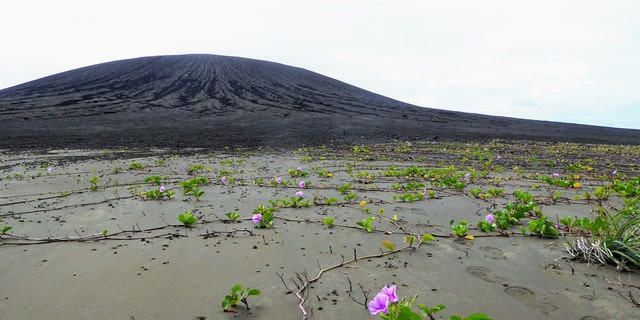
x=4, y=229
x=238, y=294
x=94, y=183
x=136, y=166
x=367, y=223
x=197, y=193
x=461, y=229
x=187, y=218
x=233, y=216
x=328, y=221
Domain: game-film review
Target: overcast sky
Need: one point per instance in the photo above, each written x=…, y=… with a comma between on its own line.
x=568, y=61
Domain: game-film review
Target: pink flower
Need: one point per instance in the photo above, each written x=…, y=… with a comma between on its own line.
x=467, y=177
x=256, y=218
x=279, y=180
x=49, y=169
x=299, y=194
x=615, y=173
x=162, y=189
x=489, y=218
x=390, y=292
x=555, y=175
x=299, y=169
x=223, y=179
x=380, y=303
x=302, y=184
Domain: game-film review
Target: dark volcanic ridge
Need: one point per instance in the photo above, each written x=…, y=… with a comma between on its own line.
x=219, y=101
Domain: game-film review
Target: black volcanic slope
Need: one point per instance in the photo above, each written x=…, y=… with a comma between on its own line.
x=218, y=101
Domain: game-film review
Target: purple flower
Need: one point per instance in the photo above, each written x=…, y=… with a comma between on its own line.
x=380, y=303
x=49, y=169
x=302, y=184
x=467, y=177
x=299, y=194
x=390, y=292
x=279, y=180
x=498, y=157
x=615, y=173
x=489, y=218
x=299, y=169
x=256, y=218
x=555, y=175
x=162, y=189
x=223, y=179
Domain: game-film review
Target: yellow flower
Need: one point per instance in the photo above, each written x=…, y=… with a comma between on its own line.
x=468, y=237
x=577, y=185
x=394, y=218
x=329, y=175
x=363, y=203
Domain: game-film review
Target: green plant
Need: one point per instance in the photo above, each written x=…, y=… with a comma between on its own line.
x=136, y=166
x=159, y=193
x=331, y=200
x=263, y=216
x=197, y=193
x=238, y=294
x=233, y=216
x=543, y=227
x=153, y=180
x=488, y=224
x=189, y=185
x=361, y=149
x=94, y=183
x=4, y=229
x=328, y=221
x=196, y=168
x=187, y=218
x=388, y=306
x=349, y=197
x=298, y=172
x=460, y=229
x=367, y=223
x=344, y=188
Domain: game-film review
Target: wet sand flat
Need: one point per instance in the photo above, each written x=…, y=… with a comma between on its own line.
x=111, y=253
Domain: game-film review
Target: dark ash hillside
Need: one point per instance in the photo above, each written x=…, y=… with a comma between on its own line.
x=218, y=101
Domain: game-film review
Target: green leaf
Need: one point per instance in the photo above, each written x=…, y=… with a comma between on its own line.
x=388, y=244
x=226, y=303
x=253, y=292
x=427, y=237
x=405, y=313
x=236, y=288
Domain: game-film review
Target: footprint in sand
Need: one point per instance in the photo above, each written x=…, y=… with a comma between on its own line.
x=529, y=298
x=492, y=253
x=485, y=274
x=463, y=244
